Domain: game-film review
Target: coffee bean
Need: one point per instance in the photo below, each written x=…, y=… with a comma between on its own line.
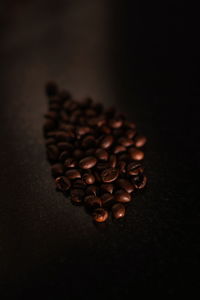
x=122, y=196
x=64, y=155
x=73, y=174
x=130, y=124
x=101, y=154
x=126, y=142
x=66, y=127
x=92, y=201
x=101, y=166
x=57, y=169
x=140, y=181
x=113, y=161
x=88, y=162
x=82, y=130
x=50, y=141
x=77, y=200
x=54, y=99
x=133, y=168
x=88, y=178
x=125, y=185
x=107, y=141
x=140, y=141
x=79, y=184
x=62, y=183
x=118, y=210
x=116, y=123
x=136, y=154
x=119, y=149
x=52, y=152
x=77, y=193
x=100, y=215
x=70, y=163
x=88, y=142
x=107, y=187
x=64, y=146
x=89, y=152
x=51, y=88
x=130, y=133
x=107, y=199
x=92, y=190
x=109, y=175
x=51, y=115
x=97, y=176
x=78, y=153
x=105, y=130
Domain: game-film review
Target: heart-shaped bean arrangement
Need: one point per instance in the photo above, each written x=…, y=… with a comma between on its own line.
x=95, y=154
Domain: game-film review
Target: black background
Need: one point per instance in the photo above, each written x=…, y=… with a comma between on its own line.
x=143, y=59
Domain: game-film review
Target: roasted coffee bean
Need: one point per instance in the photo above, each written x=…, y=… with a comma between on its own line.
x=118, y=210
x=90, y=112
x=126, y=142
x=119, y=149
x=113, y=161
x=88, y=178
x=107, y=187
x=62, y=183
x=92, y=201
x=125, y=185
x=70, y=163
x=92, y=190
x=101, y=154
x=52, y=152
x=110, y=112
x=82, y=130
x=64, y=116
x=140, y=182
x=64, y=155
x=73, y=174
x=133, y=168
x=109, y=175
x=51, y=115
x=130, y=133
x=77, y=200
x=100, y=121
x=122, y=196
x=123, y=156
x=116, y=123
x=105, y=130
x=131, y=125
x=102, y=165
x=50, y=141
x=107, y=141
x=57, y=170
x=121, y=166
x=140, y=141
x=66, y=127
x=89, y=152
x=51, y=88
x=136, y=154
x=97, y=176
x=107, y=199
x=65, y=146
x=49, y=125
x=100, y=215
x=88, y=162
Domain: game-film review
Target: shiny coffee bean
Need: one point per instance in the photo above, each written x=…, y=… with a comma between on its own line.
x=133, y=168
x=82, y=130
x=122, y=196
x=92, y=201
x=130, y=133
x=100, y=215
x=140, y=141
x=141, y=182
x=79, y=184
x=92, y=190
x=73, y=174
x=107, y=199
x=136, y=154
x=62, y=183
x=77, y=200
x=118, y=210
x=107, y=142
x=131, y=125
x=113, y=161
x=126, y=185
x=64, y=155
x=88, y=142
x=126, y=142
x=70, y=163
x=101, y=166
x=101, y=154
x=52, y=152
x=107, y=187
x=57, y=170
x=109, y=175
x=119, y=149
x=88, y=178
x=88, y=162
x=64, y=146
x=116, y=123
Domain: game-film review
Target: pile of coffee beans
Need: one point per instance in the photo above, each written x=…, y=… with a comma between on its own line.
x=95, y=154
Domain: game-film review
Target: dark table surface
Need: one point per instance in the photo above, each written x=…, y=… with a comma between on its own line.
x=136, y=59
